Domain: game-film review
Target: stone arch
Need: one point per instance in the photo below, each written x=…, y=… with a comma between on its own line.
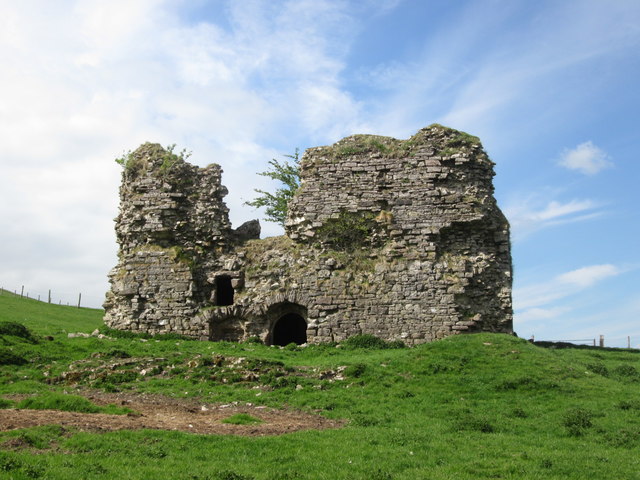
x=235, y=323
x=288, y=324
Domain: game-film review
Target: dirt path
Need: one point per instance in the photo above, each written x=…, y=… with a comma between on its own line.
x=165, y=413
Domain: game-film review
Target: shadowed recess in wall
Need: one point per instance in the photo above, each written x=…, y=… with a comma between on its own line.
x=290, y=328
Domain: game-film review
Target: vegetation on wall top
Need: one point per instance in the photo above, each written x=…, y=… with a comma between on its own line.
x=445, y=141
x=138, y=161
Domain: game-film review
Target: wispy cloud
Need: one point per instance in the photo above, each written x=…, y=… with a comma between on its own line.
x=555, y=211
x=537, y=314
x=471, y=78
x=587, y=276
x=585, y=158
x=529, y=298
x=530, y=214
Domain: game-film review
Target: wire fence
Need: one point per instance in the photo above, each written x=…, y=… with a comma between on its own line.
x=583, y=341
x=50, y=296
x=592, y=342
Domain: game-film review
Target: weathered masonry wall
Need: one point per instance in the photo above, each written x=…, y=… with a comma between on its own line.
x=172, y=224
x=400, y=239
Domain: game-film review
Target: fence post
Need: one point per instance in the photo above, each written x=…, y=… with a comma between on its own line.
x=22, y=292
x=601, y=341
x=79, y=298
x=49, y=295
x=629, y=341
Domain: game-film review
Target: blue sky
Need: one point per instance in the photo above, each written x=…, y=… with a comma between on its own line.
x=551, y=88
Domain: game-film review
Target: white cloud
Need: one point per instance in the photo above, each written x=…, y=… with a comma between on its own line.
x=586, y=158
x=537, y=314
x=530, y=214
x=536, y=296
x=556, y=210
x=587, y=276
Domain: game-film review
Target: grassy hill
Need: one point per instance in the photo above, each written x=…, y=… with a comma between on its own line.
x=45, y=318
x=467, y=407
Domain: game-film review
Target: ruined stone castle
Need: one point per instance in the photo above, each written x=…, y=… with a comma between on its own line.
x=401, y=239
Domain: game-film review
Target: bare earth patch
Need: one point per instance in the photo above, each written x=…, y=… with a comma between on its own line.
x=164, y=413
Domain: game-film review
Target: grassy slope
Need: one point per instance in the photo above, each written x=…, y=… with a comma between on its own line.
x=47, y=319
x=475, y=406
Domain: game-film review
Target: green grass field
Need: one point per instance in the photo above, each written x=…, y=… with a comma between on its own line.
x=467, y=407
x=47, y=319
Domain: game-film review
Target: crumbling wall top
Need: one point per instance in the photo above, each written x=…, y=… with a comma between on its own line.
x=415, y=186
x=167, y=201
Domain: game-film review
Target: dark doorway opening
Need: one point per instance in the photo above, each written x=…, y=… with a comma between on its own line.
x=224, y=291
x=290, y=328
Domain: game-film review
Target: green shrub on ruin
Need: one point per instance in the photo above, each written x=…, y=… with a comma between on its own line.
x=348, y=232
x=136, y=162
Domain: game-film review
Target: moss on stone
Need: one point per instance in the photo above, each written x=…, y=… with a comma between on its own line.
x=361, y=260
x=446, y=141
x=348, y=231
x=152, y=157
x=179, y=254
x=386, y=147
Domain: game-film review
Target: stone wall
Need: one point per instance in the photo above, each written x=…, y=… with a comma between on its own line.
x=400, y=239
x=172, y=224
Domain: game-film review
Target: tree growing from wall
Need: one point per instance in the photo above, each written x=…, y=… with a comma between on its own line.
x=276, y=204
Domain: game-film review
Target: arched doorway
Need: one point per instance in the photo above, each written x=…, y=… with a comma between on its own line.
x=289, y=328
